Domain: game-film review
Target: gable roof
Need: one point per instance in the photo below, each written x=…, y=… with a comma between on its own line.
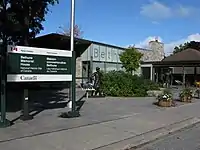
x=187, y=55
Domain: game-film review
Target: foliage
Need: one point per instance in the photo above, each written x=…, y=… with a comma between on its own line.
x=20, y=19
x=181, y=47
x=186, y=92
x=122, y=84
x=78, y=33
x=165, y=96
x=130, y=59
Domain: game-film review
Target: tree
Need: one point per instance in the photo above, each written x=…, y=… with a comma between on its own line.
x=23, y=18
x=191, y=44
x=78, y=33
x=130, y=59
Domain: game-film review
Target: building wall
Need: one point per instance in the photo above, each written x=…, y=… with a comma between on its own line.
x=107, y=58
x=79, y=69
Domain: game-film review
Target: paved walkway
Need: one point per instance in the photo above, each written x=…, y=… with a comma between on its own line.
x=103, y=122
x=188, y=139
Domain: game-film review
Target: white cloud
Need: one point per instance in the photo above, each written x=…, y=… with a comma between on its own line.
x=169, y=47
x=145, y=43
x=156, y=10
x=186, y=11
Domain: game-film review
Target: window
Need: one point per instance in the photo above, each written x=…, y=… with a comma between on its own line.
x=146, y=72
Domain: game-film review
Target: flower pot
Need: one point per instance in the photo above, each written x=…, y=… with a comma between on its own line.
x=165, y=103
x=186, y=99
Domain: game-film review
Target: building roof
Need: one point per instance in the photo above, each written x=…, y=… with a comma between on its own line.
x=59, y=37
x=187, y=57
x=65, y=38
x=57, y=41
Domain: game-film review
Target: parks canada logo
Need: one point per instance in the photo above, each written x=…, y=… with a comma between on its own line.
x=32, y=78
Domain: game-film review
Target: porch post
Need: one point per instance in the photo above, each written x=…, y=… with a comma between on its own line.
x=184, y=76
x=152, y=73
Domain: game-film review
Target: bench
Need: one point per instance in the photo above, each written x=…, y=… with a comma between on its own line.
x=87, y=90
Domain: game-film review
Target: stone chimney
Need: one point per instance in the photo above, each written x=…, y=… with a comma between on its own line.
x=157, y=48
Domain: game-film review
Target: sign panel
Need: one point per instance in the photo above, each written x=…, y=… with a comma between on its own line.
x=30, y=64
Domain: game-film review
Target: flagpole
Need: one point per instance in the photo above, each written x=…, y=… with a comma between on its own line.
x=72, y=92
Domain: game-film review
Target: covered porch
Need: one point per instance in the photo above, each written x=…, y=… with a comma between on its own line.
x=187, y=59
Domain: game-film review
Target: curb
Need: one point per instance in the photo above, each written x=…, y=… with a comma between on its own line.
x=148, y=137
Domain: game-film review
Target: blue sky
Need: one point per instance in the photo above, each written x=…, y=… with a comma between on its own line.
x=131, y=21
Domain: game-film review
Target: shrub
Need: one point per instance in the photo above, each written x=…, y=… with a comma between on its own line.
x=187, y=92
x=121, y=84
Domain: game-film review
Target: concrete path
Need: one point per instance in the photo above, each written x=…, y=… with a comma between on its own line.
x=103, y=133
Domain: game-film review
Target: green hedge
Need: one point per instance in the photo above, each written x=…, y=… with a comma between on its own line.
x=121, y=84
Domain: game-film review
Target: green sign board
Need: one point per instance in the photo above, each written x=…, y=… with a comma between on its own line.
x=30, y=64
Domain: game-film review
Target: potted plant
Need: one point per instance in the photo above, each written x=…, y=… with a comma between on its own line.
x=186, y=95
x=165, y=99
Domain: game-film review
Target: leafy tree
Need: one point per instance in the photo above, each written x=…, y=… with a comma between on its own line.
x=23, y=18
x=78, y=33
x=131, y=59
x=192, y=44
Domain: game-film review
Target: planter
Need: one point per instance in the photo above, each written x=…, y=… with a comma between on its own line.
x=164, y=103
x=187, y=99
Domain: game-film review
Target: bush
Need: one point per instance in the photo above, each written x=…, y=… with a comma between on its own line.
x=121, y=84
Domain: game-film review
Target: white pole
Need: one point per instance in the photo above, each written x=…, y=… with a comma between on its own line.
x=73, y=65
x=71, y=46
x=72, y=24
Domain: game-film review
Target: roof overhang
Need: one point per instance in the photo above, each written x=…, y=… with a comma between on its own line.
x=61, y=42
x=177, y=63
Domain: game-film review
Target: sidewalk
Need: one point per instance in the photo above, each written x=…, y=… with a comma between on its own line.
x=106, y=135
